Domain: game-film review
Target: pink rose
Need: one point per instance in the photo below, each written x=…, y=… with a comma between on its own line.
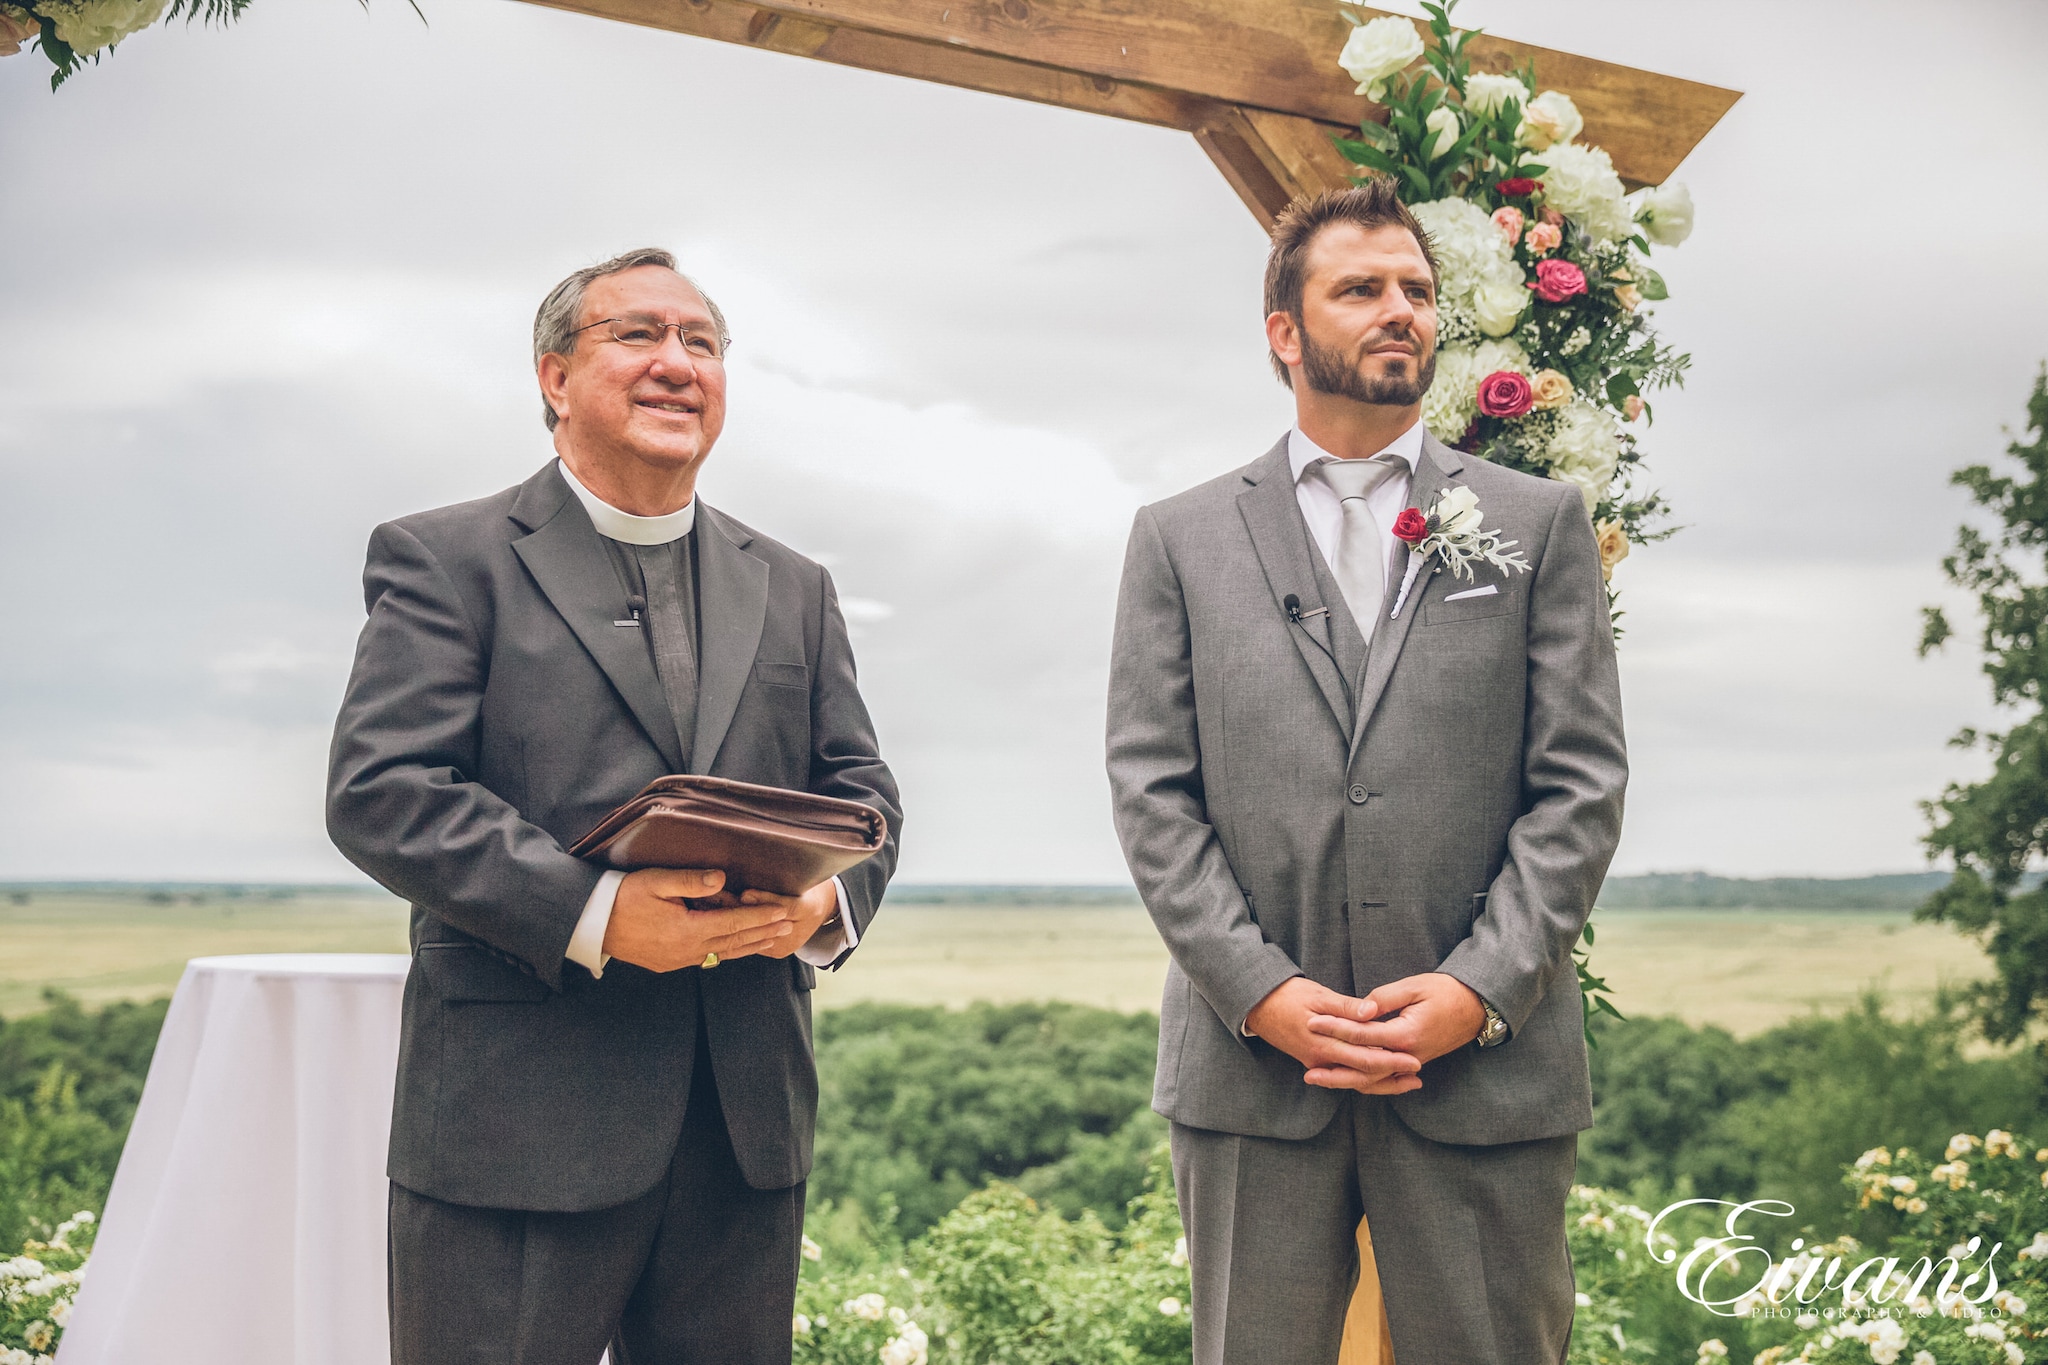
x=1505, y=394
x=1545, y=238
x=1508, y=219
x=1557, y=281
x=1631, y=408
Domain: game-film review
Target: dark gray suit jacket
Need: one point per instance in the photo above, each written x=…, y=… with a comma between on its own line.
x=1452, y=809
x=494, y=715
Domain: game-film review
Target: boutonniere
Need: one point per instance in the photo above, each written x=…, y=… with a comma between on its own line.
x=1451, y=528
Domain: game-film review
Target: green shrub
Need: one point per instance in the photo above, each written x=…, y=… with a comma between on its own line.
x=1697, y=1111
x=69, y=1083
x=919, y=1107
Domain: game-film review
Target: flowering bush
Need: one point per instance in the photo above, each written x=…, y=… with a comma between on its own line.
x=37, y=1289
x=1614, y=1272
x=1962, y=1282
x=1001, y=1279
x=1545, y=352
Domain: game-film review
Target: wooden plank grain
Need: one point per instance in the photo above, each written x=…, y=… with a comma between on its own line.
x=1280, y=55
x=1198, y=65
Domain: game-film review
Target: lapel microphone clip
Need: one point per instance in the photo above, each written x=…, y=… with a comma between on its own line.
x=635, y=604
x=1296, y=614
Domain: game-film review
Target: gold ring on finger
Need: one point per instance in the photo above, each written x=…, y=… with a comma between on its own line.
x=710, y=960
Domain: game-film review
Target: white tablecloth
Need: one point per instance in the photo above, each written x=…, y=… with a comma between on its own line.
x=246, y=1221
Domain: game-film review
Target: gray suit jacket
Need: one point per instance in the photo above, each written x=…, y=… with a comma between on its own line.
x=494, y=715
x=1458, y=818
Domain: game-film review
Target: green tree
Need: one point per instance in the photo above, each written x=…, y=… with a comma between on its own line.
x=1996, y=828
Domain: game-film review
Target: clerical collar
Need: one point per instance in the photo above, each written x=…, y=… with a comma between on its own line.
x=613, y=524
x=1302, y=452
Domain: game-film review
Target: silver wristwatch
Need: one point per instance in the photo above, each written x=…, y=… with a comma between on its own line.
x=1495, y=1030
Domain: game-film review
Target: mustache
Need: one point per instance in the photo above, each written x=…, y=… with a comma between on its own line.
x=1401, y=336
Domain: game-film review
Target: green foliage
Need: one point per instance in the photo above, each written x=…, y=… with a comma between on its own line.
x=1696, y=1111
x=1996, y=828
x=69, y=1083
x=919, y=1107
x=1002, y=1280
x=1594, y=992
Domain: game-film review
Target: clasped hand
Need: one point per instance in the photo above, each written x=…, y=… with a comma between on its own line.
x=1376, y=1045
x=665, y=918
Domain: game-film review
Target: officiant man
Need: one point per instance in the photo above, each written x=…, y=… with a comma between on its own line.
x=1368, y=803
x=606, y=1094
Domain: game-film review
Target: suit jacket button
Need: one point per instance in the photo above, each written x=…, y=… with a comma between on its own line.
x=1357, y=794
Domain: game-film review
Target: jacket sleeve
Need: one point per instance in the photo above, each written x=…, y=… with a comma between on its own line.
x=403, y=802
x=1155, y=779
x=1574, y=769
x=846, y=759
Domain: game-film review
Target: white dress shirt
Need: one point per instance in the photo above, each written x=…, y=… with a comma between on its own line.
x=1324, y=510
x=586, y=945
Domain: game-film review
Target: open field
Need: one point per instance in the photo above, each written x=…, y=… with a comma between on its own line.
x=1743, y=969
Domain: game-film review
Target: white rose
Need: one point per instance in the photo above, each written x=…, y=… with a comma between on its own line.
x=1665, y=211
x=867, y=1307
x=811, y=1250
x=1580, y=183
x=1487, y=95
x=1377, y=50
x=1549, y=118
x=1170, y=1306
x=1497, y=306
x=90, y=25
x=1923, y=1358
x=1586, y=449
x=1442, y=121
x=2014, y=1355
x=799, y=1325
x=1457, y=513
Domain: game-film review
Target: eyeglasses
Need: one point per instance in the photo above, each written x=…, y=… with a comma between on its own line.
x=643, y=332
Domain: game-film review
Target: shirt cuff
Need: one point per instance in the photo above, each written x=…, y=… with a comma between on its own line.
x=586, y=945
x=826, y=948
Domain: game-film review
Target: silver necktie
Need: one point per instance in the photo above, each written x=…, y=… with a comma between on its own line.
x=1361, y=562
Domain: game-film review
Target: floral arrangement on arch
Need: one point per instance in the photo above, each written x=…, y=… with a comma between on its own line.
x=72, y=32
x=1545, y=351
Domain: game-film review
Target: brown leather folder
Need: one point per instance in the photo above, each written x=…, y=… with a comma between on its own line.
x=765, y=838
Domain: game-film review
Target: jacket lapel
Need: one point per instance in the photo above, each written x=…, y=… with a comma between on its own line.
x=732, y=592
x=568, y=561
x=1280, y=538
x=1433, y=474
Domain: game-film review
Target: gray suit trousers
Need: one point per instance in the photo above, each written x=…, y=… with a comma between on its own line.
x=700, y=1270
x=1480, y=1276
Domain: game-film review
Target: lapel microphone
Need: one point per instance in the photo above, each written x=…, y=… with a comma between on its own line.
x=635, y=604
x=1294, y=612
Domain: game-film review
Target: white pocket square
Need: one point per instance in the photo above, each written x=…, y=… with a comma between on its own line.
x=1489, y=590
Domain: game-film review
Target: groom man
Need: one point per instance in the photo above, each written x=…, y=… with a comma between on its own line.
x=605, y=1097
x=1368, y=804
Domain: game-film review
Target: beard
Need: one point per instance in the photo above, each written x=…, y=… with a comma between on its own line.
x=1326, y=370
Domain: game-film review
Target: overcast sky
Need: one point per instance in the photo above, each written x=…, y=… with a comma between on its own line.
x=267, y=287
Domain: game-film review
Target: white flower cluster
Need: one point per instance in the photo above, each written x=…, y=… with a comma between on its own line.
x=1480, y=279
x=1580, y=182
x=910, y=1345
x=1992, y=1334
x=90, y=25
x=1586, y=449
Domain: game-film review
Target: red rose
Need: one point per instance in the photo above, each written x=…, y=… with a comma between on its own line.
x=1557, y=281
x=1521, y=187
x=1504, y=394
x=1411, y=525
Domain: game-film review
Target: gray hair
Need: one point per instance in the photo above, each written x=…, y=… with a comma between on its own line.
x=554, y=326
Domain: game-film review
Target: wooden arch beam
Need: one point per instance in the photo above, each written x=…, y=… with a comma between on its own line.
x=1255, y=81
